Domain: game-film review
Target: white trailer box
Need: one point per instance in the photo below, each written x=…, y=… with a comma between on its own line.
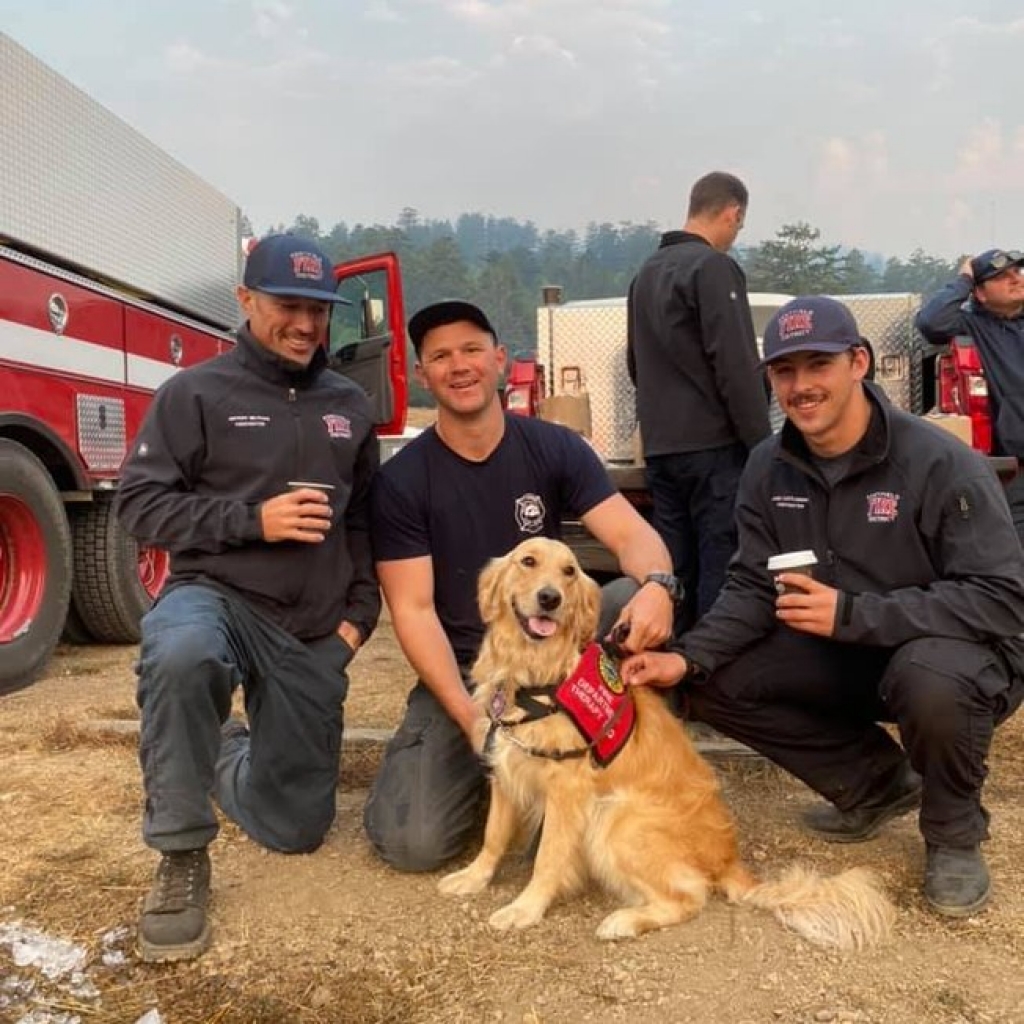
x=83, y=188
x=887, y=321
x=586, y=340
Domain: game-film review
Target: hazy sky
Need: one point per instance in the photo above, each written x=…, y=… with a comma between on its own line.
x=887, y=124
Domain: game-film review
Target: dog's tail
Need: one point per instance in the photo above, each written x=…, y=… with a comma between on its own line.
x=845, y=911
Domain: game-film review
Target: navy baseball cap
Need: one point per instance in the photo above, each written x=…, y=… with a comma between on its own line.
x=812, y=323
x=290, y=265
x=992, y=262
x=449, y=311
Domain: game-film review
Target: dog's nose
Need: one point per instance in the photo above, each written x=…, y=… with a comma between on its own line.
x=548, y=598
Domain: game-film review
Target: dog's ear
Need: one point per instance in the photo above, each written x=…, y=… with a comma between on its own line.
x=489, y=589
x=587, y=611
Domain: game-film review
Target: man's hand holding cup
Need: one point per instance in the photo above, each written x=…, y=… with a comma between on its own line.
x=803, y=603
x=302, y=513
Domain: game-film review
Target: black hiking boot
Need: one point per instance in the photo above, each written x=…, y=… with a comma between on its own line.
x=173, y=925
x=956, y=881
x=856, y=825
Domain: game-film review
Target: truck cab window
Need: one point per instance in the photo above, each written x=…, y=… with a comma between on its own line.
x=360, y=342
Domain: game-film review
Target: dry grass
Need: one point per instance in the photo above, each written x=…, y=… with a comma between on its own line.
x=336, y=937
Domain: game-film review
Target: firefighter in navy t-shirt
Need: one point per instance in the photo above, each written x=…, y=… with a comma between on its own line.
x=465, y=491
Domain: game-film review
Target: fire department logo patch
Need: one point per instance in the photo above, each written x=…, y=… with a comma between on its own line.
x=883, y=507
x=796, y=324
x=307, y=265
x=530, y=513
x=338, y=426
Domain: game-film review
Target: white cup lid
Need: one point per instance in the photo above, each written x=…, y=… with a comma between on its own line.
x=310, y=483
x=791, y=560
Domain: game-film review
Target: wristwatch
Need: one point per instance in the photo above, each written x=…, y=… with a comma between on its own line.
x=668, y=581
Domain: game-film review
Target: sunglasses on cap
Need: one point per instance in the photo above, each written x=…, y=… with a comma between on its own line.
x=1002, y=260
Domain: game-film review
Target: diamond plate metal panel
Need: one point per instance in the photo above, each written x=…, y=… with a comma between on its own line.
x=590, y=337
x=887, y=321
x=587, y=339
x=84, y=187
x=102, y=439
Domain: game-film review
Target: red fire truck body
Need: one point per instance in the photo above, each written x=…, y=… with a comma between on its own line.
x=117, y=269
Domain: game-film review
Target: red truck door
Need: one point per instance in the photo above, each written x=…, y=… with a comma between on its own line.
x=367, y=338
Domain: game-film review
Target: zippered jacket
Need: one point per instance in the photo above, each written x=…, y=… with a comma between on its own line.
x=222, y=437
x=691, y=350
x=916, y=536
x=1000, y=341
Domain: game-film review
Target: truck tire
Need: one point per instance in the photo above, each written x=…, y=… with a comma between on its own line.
x=74, y=631
x=35, y=566
x=114, y=580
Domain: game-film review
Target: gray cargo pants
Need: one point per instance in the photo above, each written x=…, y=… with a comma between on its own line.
x=278, y=782
x=429, y=795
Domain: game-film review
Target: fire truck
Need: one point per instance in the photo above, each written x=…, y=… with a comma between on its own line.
x=581, y=354
x=118, y=267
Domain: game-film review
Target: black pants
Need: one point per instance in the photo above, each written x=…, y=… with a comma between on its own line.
x=813, y=707
x=694, y=496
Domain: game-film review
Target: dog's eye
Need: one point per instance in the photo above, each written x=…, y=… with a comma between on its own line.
x=529, y=561
x=569, y=570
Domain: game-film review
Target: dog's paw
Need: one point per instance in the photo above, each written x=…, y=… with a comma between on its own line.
x=515, y=915
x=621, y=924
x=466, y=882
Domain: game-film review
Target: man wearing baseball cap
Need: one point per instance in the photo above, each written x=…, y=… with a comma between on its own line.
x=271, y=586
x=912, y=616
x=986, y=301
x=467, y=490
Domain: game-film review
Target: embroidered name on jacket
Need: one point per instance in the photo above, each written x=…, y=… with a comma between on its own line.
x=249, y=421
x=883, y=507
x=797, y=501
x=338, y=426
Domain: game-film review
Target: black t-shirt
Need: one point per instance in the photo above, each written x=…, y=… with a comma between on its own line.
x=429, y=501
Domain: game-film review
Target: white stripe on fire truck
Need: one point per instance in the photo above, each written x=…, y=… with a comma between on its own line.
x=148, y=374
x=33, y=348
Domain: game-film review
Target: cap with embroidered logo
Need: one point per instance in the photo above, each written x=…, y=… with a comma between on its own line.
x=812, y=323
x=289, y=265
x=993, y=262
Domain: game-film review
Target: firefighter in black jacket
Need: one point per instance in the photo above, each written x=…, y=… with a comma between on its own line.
x=271, y=587
x=914, y=614
x=986, y=301
x=700, y=395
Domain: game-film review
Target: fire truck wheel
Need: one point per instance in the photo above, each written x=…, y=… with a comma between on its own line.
x=35, y=566
x=114, y=582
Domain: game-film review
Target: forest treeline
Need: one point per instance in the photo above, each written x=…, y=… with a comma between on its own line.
x=502, y=263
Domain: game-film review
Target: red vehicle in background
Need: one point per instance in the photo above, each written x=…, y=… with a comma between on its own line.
x=961, y=389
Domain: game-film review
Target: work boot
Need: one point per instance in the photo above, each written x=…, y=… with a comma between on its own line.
x=173, y=925
x=856, y=825
x=956, y=881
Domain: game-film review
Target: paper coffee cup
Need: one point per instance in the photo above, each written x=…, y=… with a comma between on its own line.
x=791, y=561
x=297, y=484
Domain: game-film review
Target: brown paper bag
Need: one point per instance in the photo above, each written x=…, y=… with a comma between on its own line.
x=959, y=426
x=572, y=411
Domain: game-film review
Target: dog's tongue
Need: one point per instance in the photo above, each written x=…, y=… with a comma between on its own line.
x=541, y=626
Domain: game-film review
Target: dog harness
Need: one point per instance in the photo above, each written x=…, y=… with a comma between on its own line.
x=594, y=699
x=534, y=710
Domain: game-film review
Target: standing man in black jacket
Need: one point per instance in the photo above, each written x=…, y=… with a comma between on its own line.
x=700, y=396
x=986, y=301
x=913, y=616
x=271, y=588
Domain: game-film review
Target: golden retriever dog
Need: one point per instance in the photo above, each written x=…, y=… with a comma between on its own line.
x=651, y=826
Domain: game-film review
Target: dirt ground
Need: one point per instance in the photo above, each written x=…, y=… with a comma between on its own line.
x=335, y=937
